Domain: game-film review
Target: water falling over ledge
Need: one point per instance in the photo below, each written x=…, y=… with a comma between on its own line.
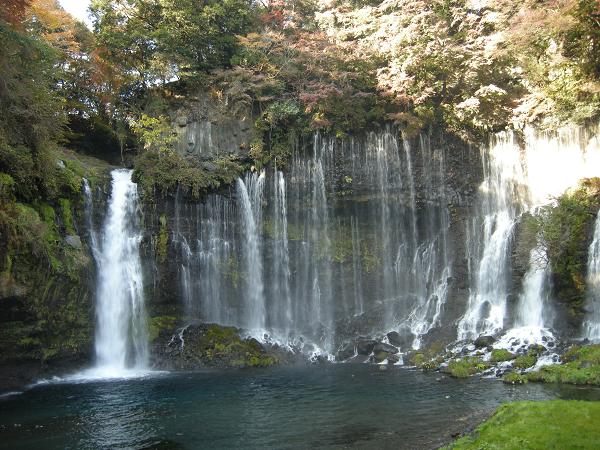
x=519, y=178
x=121, y=332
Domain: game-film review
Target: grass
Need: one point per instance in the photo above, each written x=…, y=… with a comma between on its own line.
x=556, y=424
x=525, y=361
x=500, y=355
x=515, y=378
x=581, y=365
x=465, y=367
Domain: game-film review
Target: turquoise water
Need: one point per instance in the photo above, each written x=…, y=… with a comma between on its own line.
x=323, y=407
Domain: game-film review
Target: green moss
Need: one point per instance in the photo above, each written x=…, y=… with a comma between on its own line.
x=47, y=213
x=564, y=230
x=581, y=365
x=162, y=241
x=556, y=424
x=500, y=355
x=223, y=345
x=428, y=358
x=163, y=173
x=514, y=378
x=525, y=361
x=66, y=214
x=7, y=186
x=465, y=367
x=158, y=324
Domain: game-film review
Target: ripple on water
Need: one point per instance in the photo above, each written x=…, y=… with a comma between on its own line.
x=329, y=407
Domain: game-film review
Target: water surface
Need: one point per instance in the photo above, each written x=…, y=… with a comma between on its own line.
x=323, y=407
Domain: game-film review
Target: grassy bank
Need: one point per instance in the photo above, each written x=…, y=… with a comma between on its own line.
x=556, y=424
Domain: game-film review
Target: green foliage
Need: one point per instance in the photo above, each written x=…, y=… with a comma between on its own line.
x=581, y=365
x=563, y=229
x=162, y=173
x=557, y=49
x=465, y=367
x=500, y=355
x=224, y=344
x=152, y=40
x=428, y=358
x=537, y=425
x=66, y=214
x=524, y=361
x=515, y=378
x=155, y=133
x=159, y=323
x=162, y=240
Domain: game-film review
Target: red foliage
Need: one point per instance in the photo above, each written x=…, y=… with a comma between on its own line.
x=13, y=11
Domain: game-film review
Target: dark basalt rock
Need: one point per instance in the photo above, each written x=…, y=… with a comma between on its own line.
x=394, y=338
x=484, y=341
x=210, y=345
x=385, y=348
x=393, y=359
x=346, y=352
x=365, y=346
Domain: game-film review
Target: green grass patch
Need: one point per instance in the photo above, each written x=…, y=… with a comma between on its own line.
x=556, y=424
x=465, y=367
x=581, y=365
x=515, y=378
x=500, y=355
x=525, y=361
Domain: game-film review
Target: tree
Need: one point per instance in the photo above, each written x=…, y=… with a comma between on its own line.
x=154, y=41
x=12, y=11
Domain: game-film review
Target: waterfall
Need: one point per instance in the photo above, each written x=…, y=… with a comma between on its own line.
x=592, y=322
x=121, y=333
x=432, y=264
x=501, y=201
x=250, y=196
x=533, y=307
x=518, y=179
x=280, y=282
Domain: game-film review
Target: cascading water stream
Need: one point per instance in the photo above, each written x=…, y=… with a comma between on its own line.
x=121, y=336
x=519, y=179
x=280, y=283
x=250, y=196
x=501, y=201
x=591, y=326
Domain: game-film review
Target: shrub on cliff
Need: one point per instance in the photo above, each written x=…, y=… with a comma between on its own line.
x=564, y=232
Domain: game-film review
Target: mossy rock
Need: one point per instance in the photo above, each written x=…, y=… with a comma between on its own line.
x=525, y=361
x=158, y=324
x=210, y=345
x=501, y=355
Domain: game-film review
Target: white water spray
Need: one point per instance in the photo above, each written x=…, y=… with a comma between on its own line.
x=121, y=336
x=591, y=325
x=250, y=199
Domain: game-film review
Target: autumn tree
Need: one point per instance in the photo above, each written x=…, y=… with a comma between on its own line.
x=12, y=11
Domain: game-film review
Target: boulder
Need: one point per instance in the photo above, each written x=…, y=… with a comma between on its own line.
x=209, y=166
x=365, y=346
x=346, y=352
x=74, y=241
x=385, y=348
x=484, y=341
x=400, y=340
x=393, y=359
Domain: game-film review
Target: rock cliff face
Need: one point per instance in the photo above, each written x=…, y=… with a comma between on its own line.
x=206, y=128
x=422, y=189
